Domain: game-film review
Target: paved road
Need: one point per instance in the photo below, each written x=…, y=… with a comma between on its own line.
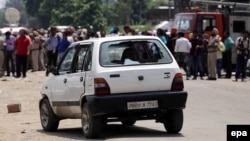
x=210, y=107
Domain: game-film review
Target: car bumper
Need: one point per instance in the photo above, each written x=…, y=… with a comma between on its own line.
x=117, y=104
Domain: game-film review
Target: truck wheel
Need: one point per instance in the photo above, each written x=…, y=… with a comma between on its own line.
x=47, y=117
x=174, y=121
x=128, y=122
x=91, y=125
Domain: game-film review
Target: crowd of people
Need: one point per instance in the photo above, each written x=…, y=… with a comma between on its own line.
x=201, y=55
x=198, y=55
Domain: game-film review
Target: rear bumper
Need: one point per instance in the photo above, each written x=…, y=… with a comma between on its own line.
x=116, y=104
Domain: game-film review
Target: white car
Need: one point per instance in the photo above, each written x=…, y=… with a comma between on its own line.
x=112, y=79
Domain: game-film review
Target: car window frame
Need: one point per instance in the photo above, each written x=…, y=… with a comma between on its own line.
x=63, y=57
x=85, y=60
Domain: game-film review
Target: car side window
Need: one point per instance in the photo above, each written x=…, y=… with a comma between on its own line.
x=88, y=63
x=66, y=64
x=81, y=57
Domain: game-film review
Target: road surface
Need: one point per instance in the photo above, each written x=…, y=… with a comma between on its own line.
x=211, y=106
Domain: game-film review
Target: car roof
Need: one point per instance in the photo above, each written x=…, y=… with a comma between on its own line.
x=116, y=38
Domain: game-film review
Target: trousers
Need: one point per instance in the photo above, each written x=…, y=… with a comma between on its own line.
x=211, y=64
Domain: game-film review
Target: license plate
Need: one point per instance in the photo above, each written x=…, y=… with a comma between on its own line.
x=142, y=104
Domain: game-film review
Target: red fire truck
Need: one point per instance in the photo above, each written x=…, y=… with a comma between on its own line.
x=225, y=19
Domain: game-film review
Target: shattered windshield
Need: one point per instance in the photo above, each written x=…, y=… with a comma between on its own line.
x=133, y=52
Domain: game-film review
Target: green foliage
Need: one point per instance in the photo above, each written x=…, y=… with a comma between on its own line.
x=88, y=13
x=83, y=13
x=129, y=11
x=139, y=28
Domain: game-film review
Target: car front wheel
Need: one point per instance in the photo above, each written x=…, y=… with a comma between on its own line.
x=47, y=117
x=174, y=121
x=91, y=125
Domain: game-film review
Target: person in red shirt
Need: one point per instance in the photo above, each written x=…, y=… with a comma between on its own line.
x=22, y=48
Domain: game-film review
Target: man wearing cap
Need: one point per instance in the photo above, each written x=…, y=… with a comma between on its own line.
x=212, y=54
x=172, y=39
x=35, y=50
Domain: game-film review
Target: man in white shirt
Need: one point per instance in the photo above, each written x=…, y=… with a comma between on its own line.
x=182, y=50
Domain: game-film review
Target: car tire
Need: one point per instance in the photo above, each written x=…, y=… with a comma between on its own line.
x=174, y=121
x=47, y=117
x=91, y=125
x=128, y=122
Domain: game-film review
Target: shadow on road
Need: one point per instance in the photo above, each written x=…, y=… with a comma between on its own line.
x=112, y=131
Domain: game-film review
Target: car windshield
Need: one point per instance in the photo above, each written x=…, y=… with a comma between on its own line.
x=184, y=22
x=133, y=52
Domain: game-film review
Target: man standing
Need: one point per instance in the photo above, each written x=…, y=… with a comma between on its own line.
x=52, y=43
x=229, y=43
x=220, y=50
x=22, y=47
x=63, y=45
x=182, y=50
x=212, y=54
x=196, y=55
x=9, y=47
x=243, y=50
x=42, y=53
x=35, y=50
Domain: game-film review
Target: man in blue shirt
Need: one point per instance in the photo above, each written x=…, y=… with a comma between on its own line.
x=63, y=45
x=229, y=44
x=52, y=43
x=10, y=43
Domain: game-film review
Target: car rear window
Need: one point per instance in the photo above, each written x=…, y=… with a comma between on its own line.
x=134, y=52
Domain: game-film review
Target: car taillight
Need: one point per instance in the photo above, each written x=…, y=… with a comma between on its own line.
x=101, y=86
x=177, y=84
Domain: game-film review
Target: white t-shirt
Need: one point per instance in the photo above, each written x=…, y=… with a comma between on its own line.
x=10, y=43
x=182, y=45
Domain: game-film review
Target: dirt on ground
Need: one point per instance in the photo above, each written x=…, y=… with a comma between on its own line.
x=24, y=125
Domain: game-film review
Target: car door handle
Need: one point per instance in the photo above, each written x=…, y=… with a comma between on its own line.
x=81, y=79
x=65, y=80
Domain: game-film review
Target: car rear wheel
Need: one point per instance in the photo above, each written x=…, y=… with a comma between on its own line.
x=174, y=121
x=128, y=122
x=91, y=125
x=47, y=117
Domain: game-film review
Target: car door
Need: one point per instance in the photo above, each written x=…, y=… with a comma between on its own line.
x=60, y=83
x=76, y=80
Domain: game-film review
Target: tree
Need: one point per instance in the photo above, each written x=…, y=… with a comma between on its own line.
x=83, y=13
x=140, y=9
x=124, y=12
x=32, y=8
